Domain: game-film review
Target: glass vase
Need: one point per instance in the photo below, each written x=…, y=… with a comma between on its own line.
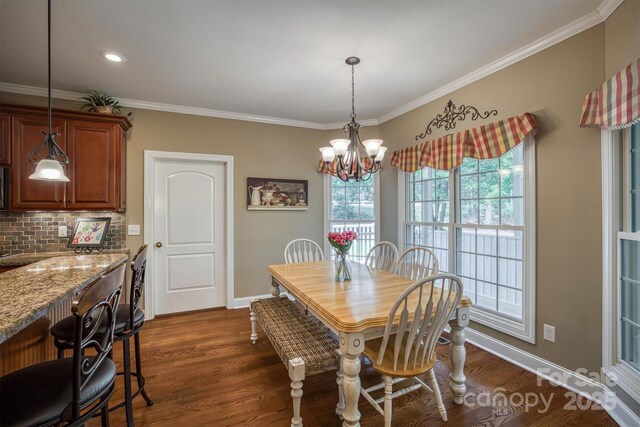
x=343, y=267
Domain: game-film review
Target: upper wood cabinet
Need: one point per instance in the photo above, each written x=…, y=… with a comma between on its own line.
x=5, y=139
x=95, y=145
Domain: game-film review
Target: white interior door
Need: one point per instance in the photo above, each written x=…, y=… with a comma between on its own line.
x=189, y=259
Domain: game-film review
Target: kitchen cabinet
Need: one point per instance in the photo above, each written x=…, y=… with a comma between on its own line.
x=95, y=145
x=5, y=139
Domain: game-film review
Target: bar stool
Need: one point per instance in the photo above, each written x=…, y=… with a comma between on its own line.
x=125, y=328
x=70, y=390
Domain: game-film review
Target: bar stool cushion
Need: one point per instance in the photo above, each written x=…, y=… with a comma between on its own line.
x=40, y=393
x=64, y=329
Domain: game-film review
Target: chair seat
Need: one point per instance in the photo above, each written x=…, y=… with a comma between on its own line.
x=64, y=329
x=39, y=394
x=372, y=348
x=295, y=335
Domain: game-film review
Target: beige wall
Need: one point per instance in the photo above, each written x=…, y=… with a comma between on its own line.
x=551, y=85
x=622, y=37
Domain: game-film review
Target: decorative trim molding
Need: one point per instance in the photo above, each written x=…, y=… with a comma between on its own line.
x=594, y=18
x=180, y=109
x=576, y=383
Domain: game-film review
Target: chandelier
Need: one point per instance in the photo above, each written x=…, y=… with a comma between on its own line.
x=350, y=164
x=48, y=168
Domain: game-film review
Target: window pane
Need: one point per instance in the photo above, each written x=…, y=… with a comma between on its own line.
x=466, y=240
x=510, y=273
x=442, y=189
x=469, y=187
x=630, y=302
x=338, y=194
x=338, y=211
x=511, y=182
x=489, y=211
x=487, y=268
x=365, y=241
x=468, y=166
x=489, y=186
x=487, y=295
x=488, y=165
x=512, y=211
x=466, y=265
x=487, y=243
x=510, y=244
x=469, y=211
x=510, y=302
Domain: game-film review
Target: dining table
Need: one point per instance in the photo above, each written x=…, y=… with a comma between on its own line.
x=357, y=310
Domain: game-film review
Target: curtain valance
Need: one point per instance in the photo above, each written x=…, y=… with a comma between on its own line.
x=484, y=142
x=615, y=104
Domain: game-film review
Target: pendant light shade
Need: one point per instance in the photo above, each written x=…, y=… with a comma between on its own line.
x=49, y=170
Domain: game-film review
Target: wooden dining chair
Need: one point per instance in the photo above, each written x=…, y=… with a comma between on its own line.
x=70, y=390
x=423, y=309
x=302, y=250
x=383, y=256
x=417, y=263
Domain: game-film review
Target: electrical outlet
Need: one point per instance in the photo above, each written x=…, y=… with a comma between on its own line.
x=549, y=333
x=133, y=230
x=62, y=231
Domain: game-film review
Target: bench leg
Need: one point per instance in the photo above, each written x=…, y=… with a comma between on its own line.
x=339, y=381
x=252, y=317
x=296, y=373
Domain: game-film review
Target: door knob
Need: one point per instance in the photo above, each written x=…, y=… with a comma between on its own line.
x=158, y=244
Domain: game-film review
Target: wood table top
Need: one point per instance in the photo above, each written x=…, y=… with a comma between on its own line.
x=363, y=302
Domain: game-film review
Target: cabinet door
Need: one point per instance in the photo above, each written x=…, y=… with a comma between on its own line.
x=93, y=171
x=5, y=139
x=26, y=194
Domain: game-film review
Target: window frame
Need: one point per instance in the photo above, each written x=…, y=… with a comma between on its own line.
x=613, y=142
x=525, y=330
x=328, y=251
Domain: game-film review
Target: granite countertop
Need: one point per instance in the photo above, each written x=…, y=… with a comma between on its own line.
x=28, y=292
x=18, y=260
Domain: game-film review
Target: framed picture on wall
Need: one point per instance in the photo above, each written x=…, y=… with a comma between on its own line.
x=89, y=234
x=277, y=194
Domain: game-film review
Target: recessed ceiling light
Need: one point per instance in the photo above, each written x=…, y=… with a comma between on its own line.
x=112, y=56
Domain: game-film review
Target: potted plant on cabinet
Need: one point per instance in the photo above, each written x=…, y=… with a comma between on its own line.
x=99, y=102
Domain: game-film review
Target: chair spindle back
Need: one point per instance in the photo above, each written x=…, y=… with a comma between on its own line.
x=424, y=309
x=138, y=269
x=383, y=256
x=302, y=250
x=417, y=263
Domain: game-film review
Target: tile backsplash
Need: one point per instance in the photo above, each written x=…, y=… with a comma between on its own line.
x=22, y=232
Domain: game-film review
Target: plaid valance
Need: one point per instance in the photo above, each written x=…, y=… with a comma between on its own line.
x=615, y=104
x=484, y=142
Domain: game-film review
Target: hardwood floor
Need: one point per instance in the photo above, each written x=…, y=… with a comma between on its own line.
x=202, y=370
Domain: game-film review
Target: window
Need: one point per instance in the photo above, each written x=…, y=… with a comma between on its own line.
x=621, y=219
x=353, y=205
x=477, y=219
x=629, y=244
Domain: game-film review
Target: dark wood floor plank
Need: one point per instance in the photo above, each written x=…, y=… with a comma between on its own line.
x=202, y=370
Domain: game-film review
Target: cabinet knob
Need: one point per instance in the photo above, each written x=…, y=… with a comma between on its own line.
x=158, y=244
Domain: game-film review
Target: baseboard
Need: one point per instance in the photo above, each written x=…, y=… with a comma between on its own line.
x=577, y=383
x=244, y=301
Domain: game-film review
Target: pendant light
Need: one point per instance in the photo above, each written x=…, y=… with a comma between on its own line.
x=49, y=168
x=350, y=164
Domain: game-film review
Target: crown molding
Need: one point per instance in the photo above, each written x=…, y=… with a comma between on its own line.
x=594, y=18
x=181, y=109
x=607, y=7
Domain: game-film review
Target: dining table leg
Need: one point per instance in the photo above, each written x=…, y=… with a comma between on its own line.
x=458, y=354
x=351, y=346
x=275, y=287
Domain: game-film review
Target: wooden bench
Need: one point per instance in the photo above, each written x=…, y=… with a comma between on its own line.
x=303, y=345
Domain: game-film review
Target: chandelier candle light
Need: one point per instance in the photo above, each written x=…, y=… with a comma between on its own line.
x=350, y=163
x=341, y=243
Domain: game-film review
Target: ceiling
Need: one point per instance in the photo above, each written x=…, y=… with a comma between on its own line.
x=274, y=59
